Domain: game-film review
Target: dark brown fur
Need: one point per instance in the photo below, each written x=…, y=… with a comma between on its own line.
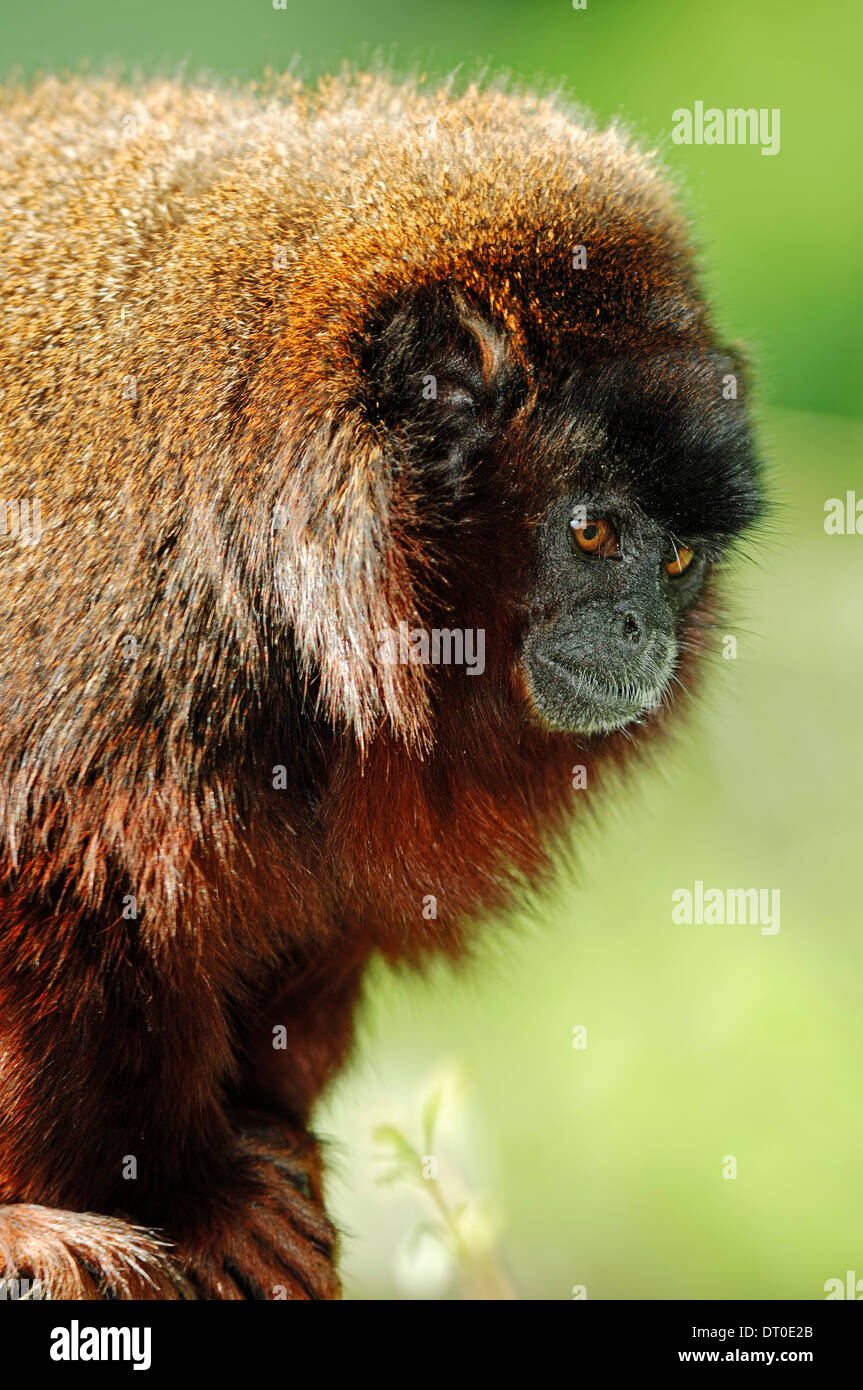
x=250, y=520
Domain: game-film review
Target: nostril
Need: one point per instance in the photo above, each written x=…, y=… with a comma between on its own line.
x=631, y=629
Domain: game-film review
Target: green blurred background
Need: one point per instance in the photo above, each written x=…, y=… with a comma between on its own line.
x=603, y=1167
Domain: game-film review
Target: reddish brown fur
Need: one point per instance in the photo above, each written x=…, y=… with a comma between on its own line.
x=241, y=520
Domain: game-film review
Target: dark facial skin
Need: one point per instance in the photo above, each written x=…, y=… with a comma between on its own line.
x=652, y=453
x=603, y=650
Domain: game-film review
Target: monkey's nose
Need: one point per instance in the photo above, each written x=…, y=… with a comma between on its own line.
x=633, y=633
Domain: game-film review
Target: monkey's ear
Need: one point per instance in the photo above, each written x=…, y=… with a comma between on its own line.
x=348, y=570
x=440, y=378
x=370, y=449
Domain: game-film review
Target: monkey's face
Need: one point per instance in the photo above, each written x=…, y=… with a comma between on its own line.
x=659, y=477
x=613, y=588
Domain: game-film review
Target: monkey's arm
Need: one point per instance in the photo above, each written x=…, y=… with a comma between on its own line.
x=113, y=1087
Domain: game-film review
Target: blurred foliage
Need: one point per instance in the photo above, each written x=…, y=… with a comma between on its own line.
x=459, y=1239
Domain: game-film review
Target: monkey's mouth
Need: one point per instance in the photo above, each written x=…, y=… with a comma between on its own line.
x=615, y=709
x=578, y=701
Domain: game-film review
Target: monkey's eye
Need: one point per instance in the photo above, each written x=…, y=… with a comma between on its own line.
x=681, y=561
x=595, y=538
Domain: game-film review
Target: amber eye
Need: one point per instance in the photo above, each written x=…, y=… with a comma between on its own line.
x=595, y=538
x=682, y=560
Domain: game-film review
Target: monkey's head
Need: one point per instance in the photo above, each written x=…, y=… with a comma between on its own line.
x=554, y=440
x=577, y=505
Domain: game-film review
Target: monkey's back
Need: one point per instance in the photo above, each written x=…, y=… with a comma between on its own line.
x=188, y=275
x=167, y=233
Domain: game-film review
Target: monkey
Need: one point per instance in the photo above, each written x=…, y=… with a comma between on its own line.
x=303, y=393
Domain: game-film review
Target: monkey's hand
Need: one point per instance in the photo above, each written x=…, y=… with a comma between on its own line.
x=261, y=1234
x=264, y=1233
x=46, y=1252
